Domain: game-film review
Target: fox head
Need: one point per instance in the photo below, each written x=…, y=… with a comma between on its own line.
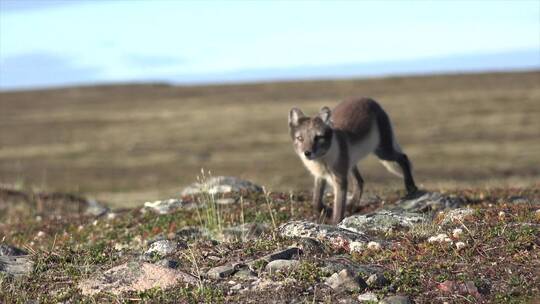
x=311, y=136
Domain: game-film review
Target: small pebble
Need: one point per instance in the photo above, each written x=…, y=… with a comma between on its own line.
x=237, y=287
x=367, y=297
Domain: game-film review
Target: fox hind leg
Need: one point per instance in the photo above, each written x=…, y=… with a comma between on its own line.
x=358, y=185
x=403, y=162
x=389, y=150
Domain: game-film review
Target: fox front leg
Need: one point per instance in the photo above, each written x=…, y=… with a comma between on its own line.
x=340, y=199
x=318, y=193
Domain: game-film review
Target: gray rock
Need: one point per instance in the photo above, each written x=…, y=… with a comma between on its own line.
x=94, y=208
x=16, y=265
x=346, y=281
x=134, y=276
x=516, y=199
x=168, y=263
x=168, y=206
x=11, y=250
x=164, y=248
x=367, y=297
x=245, y=273
x=396, y=300
x=341, y=262
x=335, y=236
x=382, y=221
x=236, y=287
x=221, y=272
x=377, y=280
x=311, y=246
x=427, y=202
x=285, y=254
x=225, y=201
x=281, y=265
x=245, y=232
x=221, y=184
x=14, y=261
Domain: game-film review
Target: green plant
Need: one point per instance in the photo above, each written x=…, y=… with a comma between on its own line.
x=210, y=214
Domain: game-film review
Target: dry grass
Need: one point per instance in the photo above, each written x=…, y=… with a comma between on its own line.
x=129, y=143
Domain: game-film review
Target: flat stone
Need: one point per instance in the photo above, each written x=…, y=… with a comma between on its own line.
x=428, y=202
x=225, y=201
x=134, y=276
x=168, y=263
x=341, y=262
x=335, y=236
x=285, y=254
x=222, y=184
x=377, y=280
x=16, y=265
x=515, y=199
x=367, y=297
x=347, y=281
x=164, y=248
x=11, y=250
x=221, y=272
x=244, y=273
x=168, y=206
x=396, y=300
x=281, y=265
x=382, y=221
x=94, y=208
x=311, y=246
x=15, y=261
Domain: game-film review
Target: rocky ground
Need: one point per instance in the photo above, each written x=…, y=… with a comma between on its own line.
x=227, y=240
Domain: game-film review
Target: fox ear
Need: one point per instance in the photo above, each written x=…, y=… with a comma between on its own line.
x=294, y=116
x=325, y=114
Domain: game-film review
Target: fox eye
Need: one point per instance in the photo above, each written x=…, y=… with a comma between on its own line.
x=319, y=138
x=299, y=138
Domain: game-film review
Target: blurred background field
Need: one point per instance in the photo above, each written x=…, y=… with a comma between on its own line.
x=126, y=144
x=126, y=101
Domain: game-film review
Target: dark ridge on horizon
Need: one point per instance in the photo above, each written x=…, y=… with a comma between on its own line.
x=508, y=61
x=225, y=84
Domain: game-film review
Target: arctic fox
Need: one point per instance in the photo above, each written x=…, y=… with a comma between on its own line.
x=331, y=144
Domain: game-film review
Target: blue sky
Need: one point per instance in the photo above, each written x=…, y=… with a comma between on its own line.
x=49, y=43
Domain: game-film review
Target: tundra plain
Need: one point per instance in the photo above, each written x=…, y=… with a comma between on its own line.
x=126, y=144
x=474, y=237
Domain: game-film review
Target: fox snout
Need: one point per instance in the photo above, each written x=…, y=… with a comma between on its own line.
x=310, y=155
x=312, y=152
